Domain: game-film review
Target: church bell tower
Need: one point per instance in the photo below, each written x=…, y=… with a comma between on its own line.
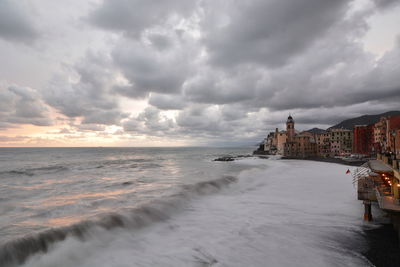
x=290, y=129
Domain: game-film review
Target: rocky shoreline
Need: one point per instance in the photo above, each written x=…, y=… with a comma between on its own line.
x=233, y=158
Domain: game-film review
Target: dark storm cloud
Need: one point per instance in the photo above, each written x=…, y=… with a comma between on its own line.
x=347, y=76
x=89, y=97
x=219, y=87
x=386, y=3
x=212, y=120
x=160, y=41
x=167, y=102
x=268, y=32
x=149, y=69
x=15, y=24
x=332, y=71
x=227, y=68
x=253, y=59
x=233, y=112
x=134, y=16
x=22, y=105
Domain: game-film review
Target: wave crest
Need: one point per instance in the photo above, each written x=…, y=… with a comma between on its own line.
x=17, y=251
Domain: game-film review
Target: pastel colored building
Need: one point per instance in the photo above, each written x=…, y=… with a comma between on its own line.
x=323, y=144
x=300, y=145
x=363, y=140
x=341, y=142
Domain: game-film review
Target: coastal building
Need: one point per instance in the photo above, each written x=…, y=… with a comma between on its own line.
x=269, y=145
x=334, y=147
x=290, y=129
x=323, y=144
x=281, y=139
x=298, y=145
x=275, y=141
x=380, y=135
x=363, y=140
x=392, y=125
x=397, y=143
x=341, y=142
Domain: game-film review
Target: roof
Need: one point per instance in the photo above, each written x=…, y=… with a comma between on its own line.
x=379, y=166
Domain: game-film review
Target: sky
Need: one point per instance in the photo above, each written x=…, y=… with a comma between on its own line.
x=191, y=72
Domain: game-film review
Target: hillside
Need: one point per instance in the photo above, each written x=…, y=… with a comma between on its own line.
x=363, y=120
x=316, y=131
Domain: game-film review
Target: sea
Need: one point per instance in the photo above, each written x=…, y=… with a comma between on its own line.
x=175, y=207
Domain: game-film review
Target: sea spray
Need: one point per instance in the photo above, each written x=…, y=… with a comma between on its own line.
x=17, y=251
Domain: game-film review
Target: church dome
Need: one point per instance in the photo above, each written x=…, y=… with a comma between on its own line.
x=290, y=119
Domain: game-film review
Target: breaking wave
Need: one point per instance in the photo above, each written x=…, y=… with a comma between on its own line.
x=17, y=251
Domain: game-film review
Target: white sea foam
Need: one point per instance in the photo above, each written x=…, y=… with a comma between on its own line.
x=285, y=213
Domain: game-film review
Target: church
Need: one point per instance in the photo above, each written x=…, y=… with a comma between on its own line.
x=291, y=144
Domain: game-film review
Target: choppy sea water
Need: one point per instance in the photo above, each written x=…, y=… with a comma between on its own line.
x=174, y=207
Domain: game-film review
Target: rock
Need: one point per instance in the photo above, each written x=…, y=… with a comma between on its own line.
x=226, y=158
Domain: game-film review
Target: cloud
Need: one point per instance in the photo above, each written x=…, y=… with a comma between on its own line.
x=89, y=97
x=383, y=4
x=150, y=122
x=343, y=76
x=15, y=23
x=222, y=87
x=90, y=127
x=333, y=70
x=160, y=41
x=255, y=60
x=11, y=139
x=22, y=105
x=167, y=102
x=269, y=33
x=210, y=70
x=149, y=69
x=134, y=16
